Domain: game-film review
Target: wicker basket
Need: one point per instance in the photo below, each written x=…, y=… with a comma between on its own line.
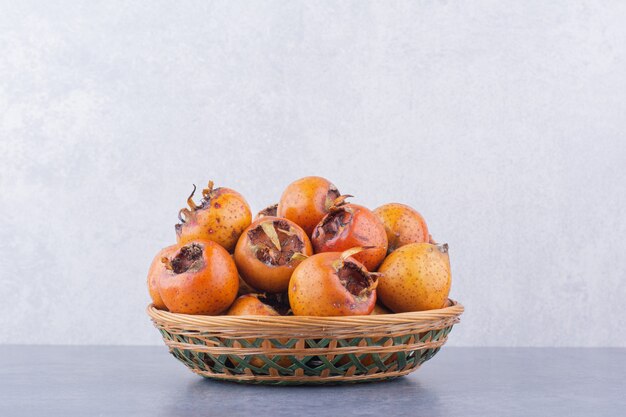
x=294, y=350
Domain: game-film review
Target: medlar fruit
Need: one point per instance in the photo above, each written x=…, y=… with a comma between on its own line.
x=403, y=225
x=268, y=252
x=197, y=278
x=306, y=201
x=332, y=284
x=415, y=277
x=348, y=226
x=221, y=217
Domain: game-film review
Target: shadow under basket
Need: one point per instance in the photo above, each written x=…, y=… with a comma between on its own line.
x=296, y=350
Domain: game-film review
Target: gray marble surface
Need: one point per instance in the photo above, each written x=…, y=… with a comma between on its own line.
x=146, y=381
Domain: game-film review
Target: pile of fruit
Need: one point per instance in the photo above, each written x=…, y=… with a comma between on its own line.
x=312, y=254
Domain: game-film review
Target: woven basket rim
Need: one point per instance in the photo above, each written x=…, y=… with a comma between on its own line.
x=251, y=322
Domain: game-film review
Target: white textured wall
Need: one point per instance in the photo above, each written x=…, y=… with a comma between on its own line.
x=504, y=123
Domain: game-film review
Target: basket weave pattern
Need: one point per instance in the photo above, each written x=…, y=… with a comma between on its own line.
x=295, y=350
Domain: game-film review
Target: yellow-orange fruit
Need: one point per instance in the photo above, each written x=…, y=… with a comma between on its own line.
x=403, y=225
x=415, y=277
x=221, y=217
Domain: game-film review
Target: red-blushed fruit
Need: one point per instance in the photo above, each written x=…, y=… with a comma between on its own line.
x=415, y=277
x=269, y=250
x=403, y=225
x=198, y=278
x=221, y=217
x=348, y=226
x=153, y=281
x=332, y=284
x=267, y=211
x=306, y=201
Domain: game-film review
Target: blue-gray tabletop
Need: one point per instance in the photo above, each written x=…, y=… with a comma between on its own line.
x=147, y=381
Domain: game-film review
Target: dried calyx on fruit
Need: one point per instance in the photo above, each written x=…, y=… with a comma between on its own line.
x=267, y=211
x=339, y=216
x=354, y=277
x=275, y=242
x=188, y=258
x=221, y=217
x=268, y=252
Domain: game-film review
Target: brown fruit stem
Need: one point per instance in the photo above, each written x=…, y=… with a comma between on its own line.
x=207, y=191
x=353, y=251
x=339, y=201
x=442, y=248
x=183, y=215
x=167, y=262
x=190, y=201
x=337, y=264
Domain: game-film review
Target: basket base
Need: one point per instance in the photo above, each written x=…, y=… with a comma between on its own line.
x=304, y=380
x=295, y=383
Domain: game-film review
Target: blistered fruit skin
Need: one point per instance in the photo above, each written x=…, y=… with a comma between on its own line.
x=153, y=276
x=306, y=201
x=207, y=284
x=361, y=228
x=415, y=277
x=266, y=276
x=221, y=217
x=315, y=289
x=403, y=225
x=250, y=305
